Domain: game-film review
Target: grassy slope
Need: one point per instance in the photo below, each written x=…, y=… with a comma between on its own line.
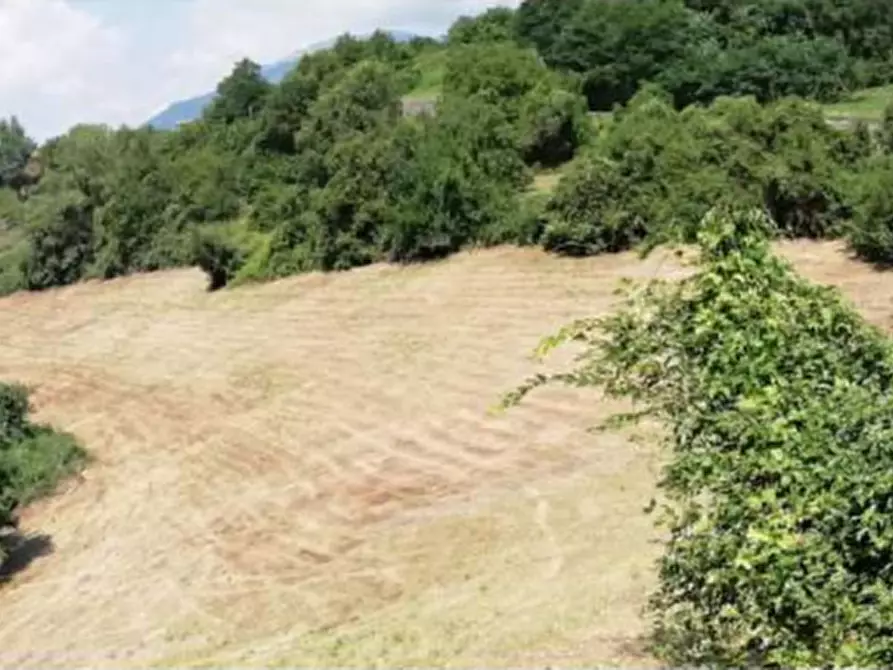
x=431, y=66
x=13, y=248
x=318, y=481
x=306, y=472
x=866, y=105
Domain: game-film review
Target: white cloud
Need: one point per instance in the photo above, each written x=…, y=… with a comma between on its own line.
x=61, y=63
x=52, y=57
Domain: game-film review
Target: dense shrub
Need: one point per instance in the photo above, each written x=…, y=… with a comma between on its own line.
x=218, y=257
x=33, y=457
x=615, y=46
x=16, y=149
x=656, y=170
x=496, y=24
x=461, y=178
x=553, y=125
x=61, y=242
x=595, y=210
x=702, y=49
x=777, y=401
x=871, y=235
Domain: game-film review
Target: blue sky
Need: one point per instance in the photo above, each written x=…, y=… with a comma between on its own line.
x=64, y=62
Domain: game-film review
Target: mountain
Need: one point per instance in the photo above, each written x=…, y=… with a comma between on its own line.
x=191, y=109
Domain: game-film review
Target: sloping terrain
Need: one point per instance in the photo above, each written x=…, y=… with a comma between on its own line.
x=306, y=472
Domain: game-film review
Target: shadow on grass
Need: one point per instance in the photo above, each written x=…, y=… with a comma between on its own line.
x=21, y=551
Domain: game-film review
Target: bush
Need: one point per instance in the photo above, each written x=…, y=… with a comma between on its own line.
x=553, y=126
x=461, y=174
x=871, y=235
x=218, y=255
x=777, y=399
x=654, y=171
x=496, y=24
x=885, y=136
x=523, y=227
x=593, y=211
x=61, y=241
x=768, y=69
x=33, y=458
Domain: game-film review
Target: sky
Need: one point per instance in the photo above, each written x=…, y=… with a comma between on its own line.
x=64, y=62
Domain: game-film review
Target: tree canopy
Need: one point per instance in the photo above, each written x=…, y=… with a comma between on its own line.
x=326, y=169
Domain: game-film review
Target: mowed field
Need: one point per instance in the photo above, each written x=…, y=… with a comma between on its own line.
x=306, y=472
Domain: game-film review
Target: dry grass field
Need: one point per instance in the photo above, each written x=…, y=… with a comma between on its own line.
x=306, y=472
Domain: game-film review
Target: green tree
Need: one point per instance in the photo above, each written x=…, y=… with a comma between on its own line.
x=871, y=233
x=506, y=71
x=61, y=241
x=550, y=120
x=540, y=23
x=15, y=150
x=240, y=95
x=458, y=183
x=497, y=24
x=885, y=136
x=616, y=45
x=553, y=125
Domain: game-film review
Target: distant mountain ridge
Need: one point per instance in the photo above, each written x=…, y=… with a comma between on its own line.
x=184, y=111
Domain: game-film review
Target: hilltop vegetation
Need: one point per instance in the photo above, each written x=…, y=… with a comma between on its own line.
x=322, y=171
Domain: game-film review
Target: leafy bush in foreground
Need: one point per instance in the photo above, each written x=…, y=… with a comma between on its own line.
x=777, y=400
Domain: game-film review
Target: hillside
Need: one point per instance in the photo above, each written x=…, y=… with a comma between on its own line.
x=190, y=109
x=326, y=486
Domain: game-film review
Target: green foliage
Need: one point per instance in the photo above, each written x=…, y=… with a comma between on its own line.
x=429, y=68
x=496, y=24
x=768, y=69
x=33, y=457
x=776, y=398
x=325, y=172
x=871, y=235
x=699, y=50
x=617, y=45
x=240, y=95
x=594, y=211
x=15, y=150
x=540, y=23
x=550, y=119
x=652, y=171
x=506, y=71
x=460, y=178
x=219, y=257
x=553, y=125
x=886, y=131
x=61, y=241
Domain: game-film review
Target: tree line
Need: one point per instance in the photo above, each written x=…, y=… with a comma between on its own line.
x=324, y=172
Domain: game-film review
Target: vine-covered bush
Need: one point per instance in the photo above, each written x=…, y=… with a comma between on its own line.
x=777, y=401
